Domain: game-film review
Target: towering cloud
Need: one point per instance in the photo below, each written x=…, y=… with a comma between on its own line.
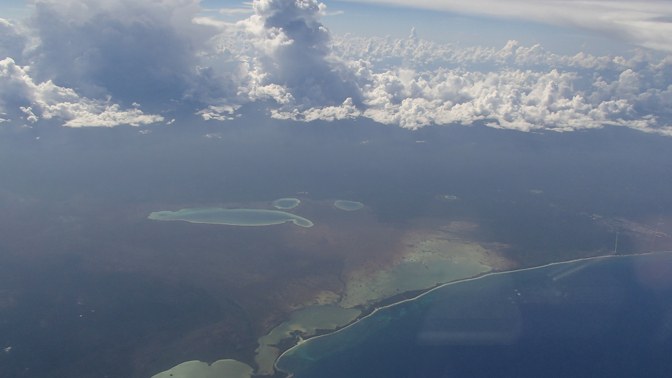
x=294, y=53
x=110, y=55
x=135, y=50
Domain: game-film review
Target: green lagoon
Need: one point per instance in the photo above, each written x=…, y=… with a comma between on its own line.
x=231, y=217
x=198, y=369
x=286, y=203
x=348, y=205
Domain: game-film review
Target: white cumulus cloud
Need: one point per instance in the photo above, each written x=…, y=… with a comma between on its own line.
x=47, y=100
x=90, y=63
x=513, y=99
x=293, y=51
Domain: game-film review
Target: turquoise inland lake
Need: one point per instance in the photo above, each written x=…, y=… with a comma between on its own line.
x=348, y=205
x=231, y=217
x=286, y=203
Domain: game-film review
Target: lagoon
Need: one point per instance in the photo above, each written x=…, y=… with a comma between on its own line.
x=231, y=217
x=286, y=203
x=199, y=369
x=348, y=205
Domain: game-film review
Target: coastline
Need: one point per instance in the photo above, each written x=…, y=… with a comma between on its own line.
x=367, y=314
x=404, y=265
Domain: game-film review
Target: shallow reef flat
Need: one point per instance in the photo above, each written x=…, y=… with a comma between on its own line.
x=231, y=217
x=286, y=203
x=198, y=369
x=430, y=258
x=306, y=321
x=348, y=205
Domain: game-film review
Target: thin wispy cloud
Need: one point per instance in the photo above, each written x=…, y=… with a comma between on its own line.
x=235, y=11
x=644, y=22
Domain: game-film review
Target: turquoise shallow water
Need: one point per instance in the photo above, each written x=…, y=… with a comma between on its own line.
x=606, y=317
x=199, y=369
x=286, y=203
x=348, y=205
x=307, y=321
x=232, y=217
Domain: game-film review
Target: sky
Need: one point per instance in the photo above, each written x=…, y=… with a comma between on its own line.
x=523, y=65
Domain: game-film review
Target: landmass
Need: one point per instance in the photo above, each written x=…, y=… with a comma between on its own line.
x=294, y=283
x=303, y=323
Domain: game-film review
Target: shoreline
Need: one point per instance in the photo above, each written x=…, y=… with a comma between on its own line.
x=480, y=276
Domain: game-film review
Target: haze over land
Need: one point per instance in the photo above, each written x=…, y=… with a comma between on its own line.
x=211, y=181
x=76, y=238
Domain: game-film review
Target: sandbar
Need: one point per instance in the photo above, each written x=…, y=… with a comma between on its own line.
x=348, y=205
x=286, y=203
x=231, y=217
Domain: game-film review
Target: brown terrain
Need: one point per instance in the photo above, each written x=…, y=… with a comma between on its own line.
x=248, y=279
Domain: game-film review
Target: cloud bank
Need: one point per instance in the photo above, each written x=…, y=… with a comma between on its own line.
x=26, y=100
x=89, y=63
x=515, y=87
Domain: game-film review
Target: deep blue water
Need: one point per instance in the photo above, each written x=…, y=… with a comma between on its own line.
x=607, y=317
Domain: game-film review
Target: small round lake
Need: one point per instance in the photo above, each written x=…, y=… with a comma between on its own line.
x=348, y=205
x=286, y=203
x=231, y=217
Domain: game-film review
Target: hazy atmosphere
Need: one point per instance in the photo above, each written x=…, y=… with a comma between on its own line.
x=225, y=189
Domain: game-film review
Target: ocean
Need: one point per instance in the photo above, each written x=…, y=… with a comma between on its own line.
x=604, y=317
